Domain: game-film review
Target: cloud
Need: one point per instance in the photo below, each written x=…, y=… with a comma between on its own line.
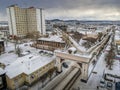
x=90, y=14
x=3, y=17
x=71, y=9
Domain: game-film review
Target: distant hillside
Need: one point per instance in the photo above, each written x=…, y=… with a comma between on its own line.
x=88, y=21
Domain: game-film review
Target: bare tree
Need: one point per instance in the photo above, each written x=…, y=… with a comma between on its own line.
x=110, y=58
x=16, y=39
x=18, y=51
x=50, y=73
x=86, y=44
x=99, y=36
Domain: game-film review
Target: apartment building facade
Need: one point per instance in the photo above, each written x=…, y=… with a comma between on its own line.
x=25, y=20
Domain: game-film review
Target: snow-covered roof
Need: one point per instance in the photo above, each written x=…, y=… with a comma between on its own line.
x=87, y=32
x=54, y=38
x=27, y=64
x=117, y=35
x=72, y=49
x=7, y=58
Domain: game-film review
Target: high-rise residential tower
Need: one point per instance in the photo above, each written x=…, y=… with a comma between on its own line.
x=25, y=20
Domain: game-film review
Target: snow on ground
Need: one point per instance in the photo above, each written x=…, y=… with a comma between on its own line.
x=115, y=71
x=9, y=47
x=94, y=79
x=100, y=67
x=91, y=66
x=9, y=56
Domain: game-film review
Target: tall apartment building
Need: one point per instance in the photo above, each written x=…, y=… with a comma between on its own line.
x=25, y=20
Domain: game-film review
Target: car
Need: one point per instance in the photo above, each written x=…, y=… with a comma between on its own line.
x=117, y=86
x=94, y=72
x=109, y=85
x=102, y=83
x=65, y=65
x=25, y=44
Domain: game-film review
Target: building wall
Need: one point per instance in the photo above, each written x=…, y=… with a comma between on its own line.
x=41, y=21
x=28, y=79
x=31, y=19
x=38, y=73
x=4, y=34
x=21, y=21
x=12, y=21
x=9, y=21
x=38, y=20
x=49, y=45
x=15, y=82
x=25, y=20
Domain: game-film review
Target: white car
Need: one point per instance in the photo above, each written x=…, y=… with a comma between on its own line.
x=109, y=85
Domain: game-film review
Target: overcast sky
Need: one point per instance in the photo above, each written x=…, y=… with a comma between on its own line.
x=69, y=9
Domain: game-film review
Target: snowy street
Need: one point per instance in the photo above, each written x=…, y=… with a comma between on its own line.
x=95, y=78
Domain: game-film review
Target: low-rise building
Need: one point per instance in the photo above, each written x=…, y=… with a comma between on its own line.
x=50, y=43
x=28, y=69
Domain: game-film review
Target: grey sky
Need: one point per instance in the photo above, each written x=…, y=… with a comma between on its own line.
x=70, y=9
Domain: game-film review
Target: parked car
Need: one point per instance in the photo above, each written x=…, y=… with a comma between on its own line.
x=25, y=44
x=94, y=72
x=117, y=86
x=102, y=83
x=65, y=65
x=109, y=85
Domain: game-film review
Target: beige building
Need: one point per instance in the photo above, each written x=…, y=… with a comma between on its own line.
x=25, y=20
x=28, y=69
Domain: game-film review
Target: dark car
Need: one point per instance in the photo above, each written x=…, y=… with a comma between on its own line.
x=109, y=86
x=102, y=83
x=65, y=65
x=117, y=86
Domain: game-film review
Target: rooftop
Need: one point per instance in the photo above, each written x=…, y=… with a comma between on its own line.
x=27, y=64
x=54, y=38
